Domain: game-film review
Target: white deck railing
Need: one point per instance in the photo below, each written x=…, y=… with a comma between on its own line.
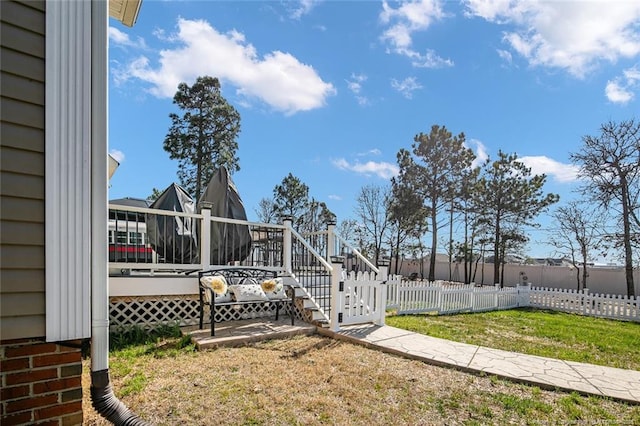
x=183, y=241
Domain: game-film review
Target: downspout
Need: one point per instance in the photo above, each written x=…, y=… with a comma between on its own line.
x=102, y=396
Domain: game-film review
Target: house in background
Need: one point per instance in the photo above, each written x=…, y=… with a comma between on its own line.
x=53, y=195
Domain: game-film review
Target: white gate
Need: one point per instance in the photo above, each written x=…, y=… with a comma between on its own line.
x=357, y=299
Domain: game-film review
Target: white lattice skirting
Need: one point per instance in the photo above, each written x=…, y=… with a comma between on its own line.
x=149, y=312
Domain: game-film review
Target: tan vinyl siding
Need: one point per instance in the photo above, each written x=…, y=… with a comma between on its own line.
x=15, y=87
x=16, y=160
x=22, y=228
x=26, y=280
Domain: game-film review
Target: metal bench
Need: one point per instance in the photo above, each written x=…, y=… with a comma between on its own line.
x=241, y=283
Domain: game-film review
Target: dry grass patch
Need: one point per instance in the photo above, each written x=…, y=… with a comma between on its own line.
x=316, y=380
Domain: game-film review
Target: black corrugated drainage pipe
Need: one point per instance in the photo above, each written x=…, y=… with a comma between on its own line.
x=106, y=403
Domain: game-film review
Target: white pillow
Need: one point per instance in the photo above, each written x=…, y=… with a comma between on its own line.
x=274, y=288
x=218, y=284
x=248, y=293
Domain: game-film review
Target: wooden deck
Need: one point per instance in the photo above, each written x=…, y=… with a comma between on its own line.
x=238, y=333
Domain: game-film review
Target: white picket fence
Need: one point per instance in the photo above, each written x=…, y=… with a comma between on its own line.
x=582, y=302
x=444, y=297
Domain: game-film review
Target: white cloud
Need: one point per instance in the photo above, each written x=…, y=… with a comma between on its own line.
x=406, y=87
x=334, y=197
x=374, y=152
x=571, y=35
x=560, y=172
x=303, y=8
x=117, y=155
x=617, y=92
x=429, y=60
x=354, y=84
x=480, y=151
x=622, y=88
x=505, y=55
x=408, y=18
x=275, y=78
x=381, y=169
x=119, y=38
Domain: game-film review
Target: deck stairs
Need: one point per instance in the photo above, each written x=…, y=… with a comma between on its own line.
x=313, y=302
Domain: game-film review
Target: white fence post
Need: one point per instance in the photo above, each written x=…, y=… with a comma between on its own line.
x=586, y=301
x=337, y=293
x=286, y=244
x=381, y=294
x=205, y=236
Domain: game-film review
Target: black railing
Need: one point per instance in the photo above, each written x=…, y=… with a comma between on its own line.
x=312, y=275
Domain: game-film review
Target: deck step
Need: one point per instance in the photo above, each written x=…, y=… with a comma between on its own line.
x=243, y=332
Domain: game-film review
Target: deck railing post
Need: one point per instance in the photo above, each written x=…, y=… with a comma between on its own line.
x=331, y=241
x=286, y=244
x=337, y=292
x=205, y=236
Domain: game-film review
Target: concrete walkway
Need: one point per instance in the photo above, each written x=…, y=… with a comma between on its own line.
x=545, y=373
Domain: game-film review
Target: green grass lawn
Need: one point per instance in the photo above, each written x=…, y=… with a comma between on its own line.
x=536, y=332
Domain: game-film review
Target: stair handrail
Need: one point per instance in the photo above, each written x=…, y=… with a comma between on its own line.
x=357, y=253
x=313, y=251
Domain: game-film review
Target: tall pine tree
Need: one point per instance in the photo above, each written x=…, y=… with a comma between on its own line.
x=204, y=137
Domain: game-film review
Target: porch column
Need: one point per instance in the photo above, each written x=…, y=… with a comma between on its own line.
x=286, y=244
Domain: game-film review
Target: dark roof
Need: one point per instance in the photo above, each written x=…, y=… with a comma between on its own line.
x=131, y=202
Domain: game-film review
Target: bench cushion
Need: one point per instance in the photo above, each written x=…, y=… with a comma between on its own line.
x=274, y=288
x=248, y=292
x=218, y=284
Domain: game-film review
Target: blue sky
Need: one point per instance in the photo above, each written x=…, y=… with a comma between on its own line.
x=331, y=90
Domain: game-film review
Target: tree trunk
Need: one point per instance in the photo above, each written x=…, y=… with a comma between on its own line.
x=496, y=254
x=628, y=253
x=584, y=269
x=434, y=244
x=450, y=238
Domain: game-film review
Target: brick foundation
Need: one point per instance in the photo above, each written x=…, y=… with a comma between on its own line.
x=41, y=383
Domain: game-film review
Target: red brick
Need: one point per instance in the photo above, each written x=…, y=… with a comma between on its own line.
x=15, y=342
x=16, y=419
x=31, y=376
x=48, y=423
x=72, y=420
x=56, y=359
x=31, y=402
x=71, y=370
x=58, y=410
x=56, y=385
x=20, y=351
x=71, y=395
x=14, y=364
x=14, y=392
x=75, y=348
